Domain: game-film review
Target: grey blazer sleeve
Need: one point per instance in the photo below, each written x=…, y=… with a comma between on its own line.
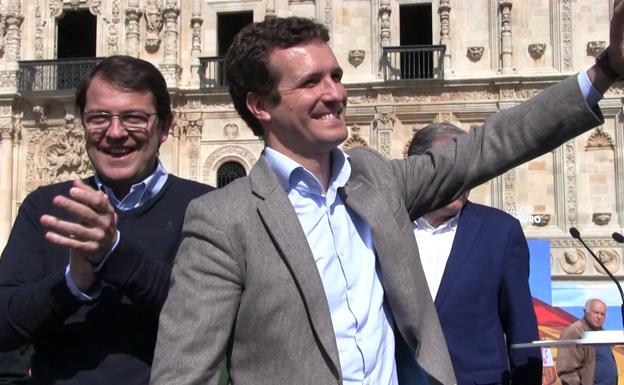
x=505, y=140
x=199, y=313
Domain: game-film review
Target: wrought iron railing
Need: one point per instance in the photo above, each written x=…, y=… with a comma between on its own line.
x=413, y=62
x=212, y=72
x=53, y=75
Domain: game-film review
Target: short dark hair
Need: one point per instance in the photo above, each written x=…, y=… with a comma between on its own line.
x=129, y=74
x=247, y=60
x=425, y=137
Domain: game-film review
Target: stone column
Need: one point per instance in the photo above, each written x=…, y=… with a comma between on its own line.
x=384, y=16
x=133, y=15
x=13, y=38
x=445, y=10
x=506, y=49
x=192, y=126
x=196, y=24
x=383, y=125
x=6, y=179
x=170, y=67
x=112, y=39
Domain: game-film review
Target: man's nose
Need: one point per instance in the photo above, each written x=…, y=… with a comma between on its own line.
x=116, y=130
x=333, y=90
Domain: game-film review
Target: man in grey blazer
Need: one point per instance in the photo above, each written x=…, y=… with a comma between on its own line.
x=305, y=272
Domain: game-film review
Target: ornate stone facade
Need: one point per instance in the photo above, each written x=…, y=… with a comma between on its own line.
x=578, y=184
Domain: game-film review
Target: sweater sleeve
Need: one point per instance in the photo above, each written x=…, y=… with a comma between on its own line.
x=143, y=280
x=31, y=296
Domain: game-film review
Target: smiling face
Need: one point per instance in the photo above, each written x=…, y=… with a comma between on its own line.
x=309, y=118
x=121, y=158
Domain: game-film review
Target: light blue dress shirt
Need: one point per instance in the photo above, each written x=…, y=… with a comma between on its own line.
x=137, y=196
x=342, y=246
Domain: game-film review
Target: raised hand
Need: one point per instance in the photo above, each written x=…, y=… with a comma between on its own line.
x=91, y=236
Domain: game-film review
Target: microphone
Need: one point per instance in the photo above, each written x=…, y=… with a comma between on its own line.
x=576, y=235
x=619, y=238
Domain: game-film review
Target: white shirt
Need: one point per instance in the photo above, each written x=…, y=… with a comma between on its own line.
x=342, y=246
x=434, y=247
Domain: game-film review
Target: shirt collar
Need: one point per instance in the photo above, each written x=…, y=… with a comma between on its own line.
x=293, y=175
x=450, y=224
x=139, y=192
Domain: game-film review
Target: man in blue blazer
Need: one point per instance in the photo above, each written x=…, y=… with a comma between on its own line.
x=476, y=262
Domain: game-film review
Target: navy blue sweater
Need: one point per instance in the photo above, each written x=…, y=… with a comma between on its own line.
x=110, y=340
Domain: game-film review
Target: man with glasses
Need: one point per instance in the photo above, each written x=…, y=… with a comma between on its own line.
x=86, y=269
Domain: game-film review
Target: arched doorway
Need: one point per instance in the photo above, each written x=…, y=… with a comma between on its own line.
x=229, y=171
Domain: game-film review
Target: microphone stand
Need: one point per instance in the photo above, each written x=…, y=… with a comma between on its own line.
x=576, y=235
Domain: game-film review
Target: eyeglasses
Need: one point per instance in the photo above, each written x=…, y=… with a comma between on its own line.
x=135, y=122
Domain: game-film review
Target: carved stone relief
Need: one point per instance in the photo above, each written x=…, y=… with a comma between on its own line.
x=39, y=31
x=170, y=69
x=566, y=33
x=327, y=15
x=601, y=219
x=231, y=131
x=570, y=181
x=384, y=17
x=8, y=79
x=593, y=243
x=506, y=47
x=475, y=53
x=356, y=57
x=56, y=8
x=384, y=121
x=153, y=24
x=6, y=129
x=536, y=50
x=41, y=118
x=191, y=125
x=599, y=140
x=444, y=10
x=170, y=16
x=196, y=28
x=113, y=21
x=573, y=262
x=94, y=6
x=610, y=259
x=509, y=198
x=13, y=40
x=17, y=128
x=3, y=31
x=133, y=33
x=355, y=140
x=57, y=154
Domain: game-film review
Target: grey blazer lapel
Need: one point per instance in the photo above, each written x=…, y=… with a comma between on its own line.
x=285, y=231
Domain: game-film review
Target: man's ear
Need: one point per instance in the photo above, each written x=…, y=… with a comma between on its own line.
x=257, y=106
x=165, y=126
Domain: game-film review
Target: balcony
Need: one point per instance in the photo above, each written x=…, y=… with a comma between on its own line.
x=212, y=72
x=413, y=62
x=53, y=75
